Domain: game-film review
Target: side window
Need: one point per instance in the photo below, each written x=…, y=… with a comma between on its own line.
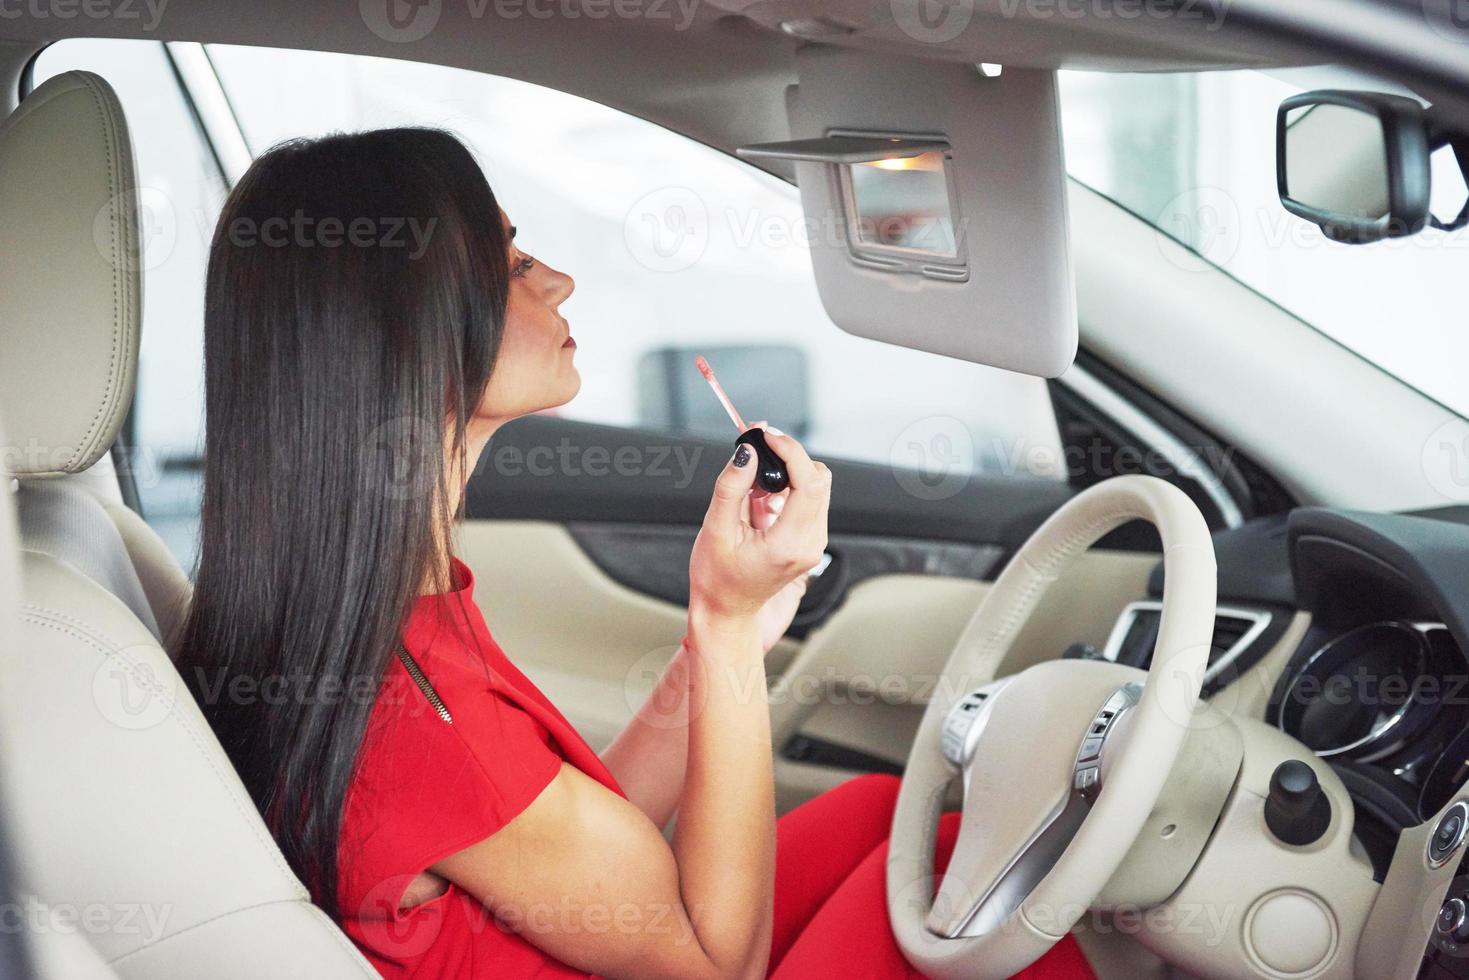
x=180, y=193
x=677, y=249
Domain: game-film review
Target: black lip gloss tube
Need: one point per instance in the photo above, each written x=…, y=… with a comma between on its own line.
x=770, y=474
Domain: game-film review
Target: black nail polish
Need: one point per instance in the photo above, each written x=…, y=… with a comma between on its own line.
x=771, y=474
x=742, y=455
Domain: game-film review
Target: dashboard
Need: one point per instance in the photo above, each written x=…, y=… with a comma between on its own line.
x=1377, y=685
x=1386, y=700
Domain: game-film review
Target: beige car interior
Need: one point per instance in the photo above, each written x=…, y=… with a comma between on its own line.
x=116, y=793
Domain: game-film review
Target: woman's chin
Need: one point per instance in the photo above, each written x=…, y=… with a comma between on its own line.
x=572, y=385
x=562, y=390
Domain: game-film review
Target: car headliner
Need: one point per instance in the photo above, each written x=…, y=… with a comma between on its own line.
x=716, y=70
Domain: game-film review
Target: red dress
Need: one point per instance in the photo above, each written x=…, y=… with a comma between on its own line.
x=426, y=789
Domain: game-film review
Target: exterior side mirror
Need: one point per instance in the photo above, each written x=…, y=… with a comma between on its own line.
x=1354, y=163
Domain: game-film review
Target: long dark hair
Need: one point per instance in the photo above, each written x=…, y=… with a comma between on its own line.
x=355, y=301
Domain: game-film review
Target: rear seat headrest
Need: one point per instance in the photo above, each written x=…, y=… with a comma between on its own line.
x=70, y=287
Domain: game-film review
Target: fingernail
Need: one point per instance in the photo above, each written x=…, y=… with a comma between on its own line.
x=742, y=455
x=773, y=430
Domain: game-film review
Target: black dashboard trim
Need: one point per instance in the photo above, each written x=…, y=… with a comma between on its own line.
x=1424, y=560
x=1254, y=564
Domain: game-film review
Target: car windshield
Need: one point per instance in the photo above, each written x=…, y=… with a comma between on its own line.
x=1194, y=156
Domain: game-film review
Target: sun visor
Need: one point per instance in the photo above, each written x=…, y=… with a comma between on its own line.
x=935, y=200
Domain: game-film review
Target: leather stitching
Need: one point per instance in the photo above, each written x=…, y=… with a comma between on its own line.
x=119, y=318
x=997, y=640
x=336, y=934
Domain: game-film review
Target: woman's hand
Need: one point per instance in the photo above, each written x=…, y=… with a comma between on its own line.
x=738, y=566
x=760, y=510
x=775, y=616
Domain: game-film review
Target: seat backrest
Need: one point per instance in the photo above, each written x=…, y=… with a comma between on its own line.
x=123, y=808
x=68, y=257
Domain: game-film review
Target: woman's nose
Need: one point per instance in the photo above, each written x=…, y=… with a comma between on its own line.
x=558, y=287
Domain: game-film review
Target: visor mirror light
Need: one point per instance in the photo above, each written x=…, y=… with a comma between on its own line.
x=897, y=195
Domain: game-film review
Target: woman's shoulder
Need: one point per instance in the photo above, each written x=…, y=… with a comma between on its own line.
x=433, y=713
x=423, y=783
x=425, y=787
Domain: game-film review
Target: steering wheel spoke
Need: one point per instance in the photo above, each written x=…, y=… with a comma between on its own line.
x=977, y=894
x=1040, y=834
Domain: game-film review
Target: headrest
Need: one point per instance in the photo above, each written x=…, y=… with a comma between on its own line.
x=70, y=288
x=9, y=584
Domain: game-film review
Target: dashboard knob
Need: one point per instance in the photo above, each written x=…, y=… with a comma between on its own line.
x=1453, y=920
x=1297, y=810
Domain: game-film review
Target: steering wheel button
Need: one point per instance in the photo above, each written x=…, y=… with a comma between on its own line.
x=1091, y=747
x=1086, y=778
x=953, y=745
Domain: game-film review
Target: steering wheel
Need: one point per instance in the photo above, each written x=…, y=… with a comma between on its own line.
x=1061, y=763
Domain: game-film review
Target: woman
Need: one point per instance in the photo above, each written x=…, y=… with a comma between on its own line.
x=369, y=323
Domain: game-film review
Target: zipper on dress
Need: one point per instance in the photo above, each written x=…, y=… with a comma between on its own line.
x=415, y=672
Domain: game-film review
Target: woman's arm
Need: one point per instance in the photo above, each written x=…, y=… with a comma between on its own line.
x=584, y=874
x=648, y=757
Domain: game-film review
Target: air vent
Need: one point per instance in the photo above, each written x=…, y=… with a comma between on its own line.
x=1136, y=633
x=1228, y=631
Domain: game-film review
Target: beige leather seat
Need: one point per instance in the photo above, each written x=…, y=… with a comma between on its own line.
x=122, y=809
x=41, y=953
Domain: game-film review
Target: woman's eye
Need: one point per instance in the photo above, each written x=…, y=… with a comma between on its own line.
x=523, y=266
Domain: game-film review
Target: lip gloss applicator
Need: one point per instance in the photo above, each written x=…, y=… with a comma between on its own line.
x=771, y=474
x=708, y=373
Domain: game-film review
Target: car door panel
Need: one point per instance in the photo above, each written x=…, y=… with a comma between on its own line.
x=653, y=559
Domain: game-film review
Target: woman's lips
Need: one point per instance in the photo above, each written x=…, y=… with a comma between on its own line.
x=570, y=342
